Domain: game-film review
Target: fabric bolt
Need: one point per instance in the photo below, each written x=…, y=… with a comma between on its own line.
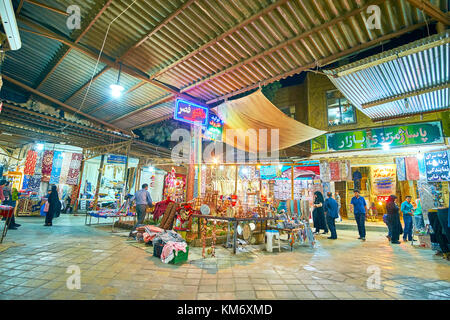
x=334, y=170
x=325, y=174
x=56, y=167
x=65, y=166
x=30, y=162
x=412, y=168
x=47, y=163
x=401, y=169
x=74, y=169
x=74, y=195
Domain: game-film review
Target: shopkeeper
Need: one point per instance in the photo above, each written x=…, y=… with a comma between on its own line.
x=143, y=199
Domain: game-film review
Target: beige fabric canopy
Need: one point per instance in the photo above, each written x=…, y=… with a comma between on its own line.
x=256, y=112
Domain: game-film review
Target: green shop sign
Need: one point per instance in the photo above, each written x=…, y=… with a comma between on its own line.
x=394, y=136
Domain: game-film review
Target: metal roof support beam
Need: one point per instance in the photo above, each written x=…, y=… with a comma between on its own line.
x=247, y=21
x=80, y=89
x=19, y=7
x=406, y=95
x=322, y=62
x=66, y=51
x=283, y=44
x=431, y=10
x=61, y=104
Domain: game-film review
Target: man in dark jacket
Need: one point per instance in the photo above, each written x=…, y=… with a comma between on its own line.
x=330, y=207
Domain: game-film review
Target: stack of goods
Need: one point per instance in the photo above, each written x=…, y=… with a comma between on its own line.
x=169, y=216
x=150, y=232
x=170, y=247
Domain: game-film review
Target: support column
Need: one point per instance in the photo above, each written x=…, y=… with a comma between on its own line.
x=79, y=186
x=292, y=182
x=191, y=169
x=99, y=180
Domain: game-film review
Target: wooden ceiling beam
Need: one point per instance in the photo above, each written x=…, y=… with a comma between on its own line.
x=321, y=62
x=19, y=7
x=47, y=7
x=431, y=10
x=66, y=50
x=210, y=43
x=80, y=89
x=283, y=44
x=152, y=122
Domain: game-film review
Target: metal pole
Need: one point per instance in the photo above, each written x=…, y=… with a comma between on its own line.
x=79, y=186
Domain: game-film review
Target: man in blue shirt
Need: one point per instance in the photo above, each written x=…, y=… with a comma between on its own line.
x=360, y=210
x=407, y=210
x=143, y=199
x=330, y=207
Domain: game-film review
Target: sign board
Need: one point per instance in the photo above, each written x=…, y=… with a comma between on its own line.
x=189, y=112
x=383, y=179
x=116, y=159
x=214, y=128
x=437, y=166
x=372, y=138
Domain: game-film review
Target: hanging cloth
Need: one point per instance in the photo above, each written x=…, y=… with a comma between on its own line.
x=412, y=168
x=401, y=169
x=47, y=163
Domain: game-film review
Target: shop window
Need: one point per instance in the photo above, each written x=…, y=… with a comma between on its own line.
x=289, y=111
x=340, y=111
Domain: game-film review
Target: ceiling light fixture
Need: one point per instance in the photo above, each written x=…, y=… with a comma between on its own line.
x=116, y=89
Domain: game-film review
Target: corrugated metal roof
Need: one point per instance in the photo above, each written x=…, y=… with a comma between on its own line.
x=156, y=112
x=408, y=75
x=208, y=49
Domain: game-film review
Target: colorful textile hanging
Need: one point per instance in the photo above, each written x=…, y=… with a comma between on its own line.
x=56, y=167
x=38, y=167
x=34, y=184
x=335, y=171
x=74, y=195
x=26, y=181
x=67, y=159
x=30, y=162
x=74, y=170
x=401, y=169
x=422, y=170
x=345, y=170
x=412, y=168
x=47, y=163
x=325, y=174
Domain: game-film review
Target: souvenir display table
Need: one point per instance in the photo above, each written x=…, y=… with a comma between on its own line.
x=300, y=233
x=6, y=212
x=234, y=222
x=122, y=212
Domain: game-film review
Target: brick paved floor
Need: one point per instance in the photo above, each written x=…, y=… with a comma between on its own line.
x=34, y=260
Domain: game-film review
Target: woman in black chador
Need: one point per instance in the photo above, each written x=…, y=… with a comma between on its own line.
x=318, y=214
x=393, y=219
x=54, y=208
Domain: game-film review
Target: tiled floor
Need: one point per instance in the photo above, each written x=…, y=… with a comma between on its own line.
x=35, y=265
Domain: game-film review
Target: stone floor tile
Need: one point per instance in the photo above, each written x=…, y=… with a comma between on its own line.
x=265, y=295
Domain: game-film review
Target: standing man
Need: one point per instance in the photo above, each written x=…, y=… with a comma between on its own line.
x=338, y=200
x=407, y=210
x=360, y=210
x=143, y=199
x=331, y=209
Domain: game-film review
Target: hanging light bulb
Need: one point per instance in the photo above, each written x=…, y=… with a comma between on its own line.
x=116, y=89
x=420, y=155
x=386, y=146
x=39, y=146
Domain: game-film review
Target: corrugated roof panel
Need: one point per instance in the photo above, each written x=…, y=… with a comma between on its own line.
x=71, y=74
x=27, y=63
x=153, y=113
x=417, y=67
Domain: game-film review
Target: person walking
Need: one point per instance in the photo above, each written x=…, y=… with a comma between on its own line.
x=360, y=211
x=407, y=210
x=331, y=208
x=143, y=199
x=338, y=200
x=54, y=207
x=318, y=215
x=393, y=219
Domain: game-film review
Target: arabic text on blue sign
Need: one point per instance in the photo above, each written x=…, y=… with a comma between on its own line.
x=189, y=112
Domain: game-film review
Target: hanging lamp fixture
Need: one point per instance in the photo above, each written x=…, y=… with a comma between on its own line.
x=116, y=89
